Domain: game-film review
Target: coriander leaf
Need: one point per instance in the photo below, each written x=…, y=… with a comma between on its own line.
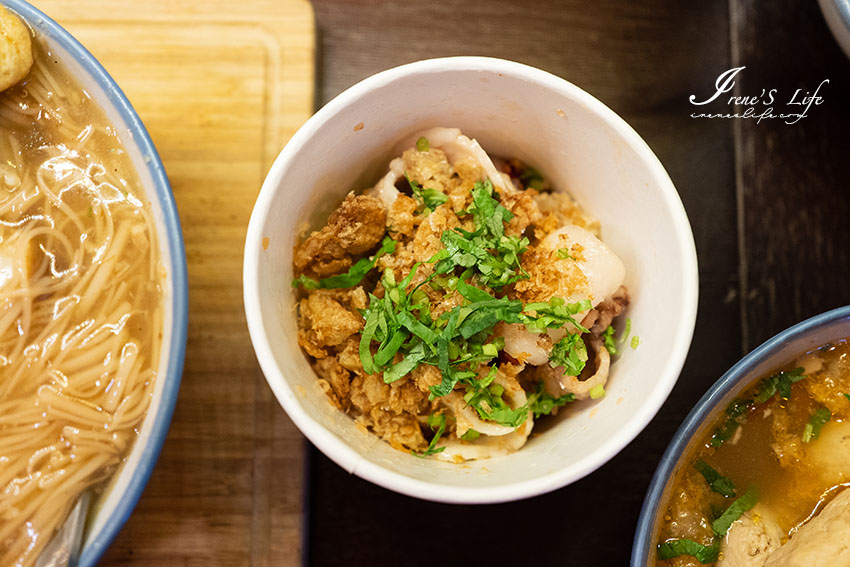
x=734, y=511
x=608, y=338
x=486, y=399
x=433, y=198
x=555, y=313
x=355, y=273
x=571, y=353
x=422, y=144
x=717, y=482
x=677, y=547
x=818, y=419
x=437, y=420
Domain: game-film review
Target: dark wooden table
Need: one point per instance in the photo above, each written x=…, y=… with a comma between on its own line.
x=769, y=205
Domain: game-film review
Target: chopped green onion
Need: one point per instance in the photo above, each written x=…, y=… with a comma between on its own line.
x=816, y=422
x=438, y=421
x=422, y=144
x=564, y=253
x=635, y=342
x=470, y=435
x=570, y=353
x=597, y=392
x=610, y=343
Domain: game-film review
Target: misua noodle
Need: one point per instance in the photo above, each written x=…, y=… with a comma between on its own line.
x=80, y=304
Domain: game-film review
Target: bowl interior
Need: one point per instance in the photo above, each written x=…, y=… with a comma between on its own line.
x=514, y=111
x=111, y=511
x=774, y=353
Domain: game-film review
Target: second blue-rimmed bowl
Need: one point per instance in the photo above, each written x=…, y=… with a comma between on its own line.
x=776, y=352
x=113, y=510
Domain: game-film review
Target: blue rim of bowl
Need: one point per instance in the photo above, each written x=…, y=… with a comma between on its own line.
x=844, y=9
x=92, y=552
x=741, y=371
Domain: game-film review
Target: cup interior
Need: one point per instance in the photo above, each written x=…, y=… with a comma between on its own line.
x=576, y=142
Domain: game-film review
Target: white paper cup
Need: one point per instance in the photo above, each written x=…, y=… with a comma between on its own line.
x=580, y=145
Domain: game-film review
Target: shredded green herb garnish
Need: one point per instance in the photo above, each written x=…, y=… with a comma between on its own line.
x=635, y=342
x=677, y=547
x=564, y=253
x=422, y=144
x=542, y=403
x=531, y=178
x=493, y=256
x=718, y=483
x=734, y=511
x=736, y=412
x=435, y=421
x=485, y=398
x=430, y=198
x=735, y=416
x=608, y=340
x=470, y=435
x=781, y=383
x=846, y=396
x=355, y=273
x=570, y=353
x=817, y=420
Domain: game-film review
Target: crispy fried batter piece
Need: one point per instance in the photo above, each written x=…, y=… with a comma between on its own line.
x=353, y=229
x=390, y=410
x=324, y=321
x=334, y=380
x=426, y=240
x=401, y=219
x=524, y=208
x=548, y=277
x=558, y=209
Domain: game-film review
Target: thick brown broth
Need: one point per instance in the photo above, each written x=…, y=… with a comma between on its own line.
x=793, y=478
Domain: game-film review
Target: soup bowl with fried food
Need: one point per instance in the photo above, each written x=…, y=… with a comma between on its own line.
x=757, y=474
x=467, y=280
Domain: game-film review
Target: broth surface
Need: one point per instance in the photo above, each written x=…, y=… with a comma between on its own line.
x=794, y=472
x=80, y=304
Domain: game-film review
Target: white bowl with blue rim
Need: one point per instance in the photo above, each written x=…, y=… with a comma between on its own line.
x=778, y=351
x=837, y=16
x=114, y=508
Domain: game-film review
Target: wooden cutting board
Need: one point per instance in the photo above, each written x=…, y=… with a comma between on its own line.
x=221, y=86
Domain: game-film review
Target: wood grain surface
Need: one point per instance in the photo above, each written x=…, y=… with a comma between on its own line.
x=768, y=204
x=220, y=86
